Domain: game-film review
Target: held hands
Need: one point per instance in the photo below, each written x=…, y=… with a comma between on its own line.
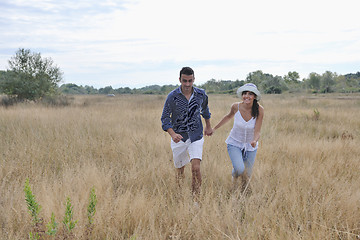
x=208, y=131
x=177, y=137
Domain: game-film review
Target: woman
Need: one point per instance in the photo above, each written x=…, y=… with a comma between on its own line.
x=242, y=142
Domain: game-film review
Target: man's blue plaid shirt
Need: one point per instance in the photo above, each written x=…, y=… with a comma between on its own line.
x=183, y=116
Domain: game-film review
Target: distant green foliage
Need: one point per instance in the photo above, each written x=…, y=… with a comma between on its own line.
x=222, y=86
x=71, y=88
x=267, y=83
x=292, y=77
x=106, y=90
x=36, y=82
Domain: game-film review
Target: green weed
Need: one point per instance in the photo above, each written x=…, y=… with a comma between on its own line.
x=32, y=205
x=91, y=207
x=52, y=226
x=316, y=115
x=68, y=221
x=34, y=210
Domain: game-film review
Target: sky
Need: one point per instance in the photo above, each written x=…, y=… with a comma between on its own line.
x=137, y=43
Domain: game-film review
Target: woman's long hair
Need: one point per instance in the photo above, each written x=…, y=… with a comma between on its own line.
x=255, y=109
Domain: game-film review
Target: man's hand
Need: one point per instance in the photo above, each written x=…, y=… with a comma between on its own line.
x=208, y=131
x=176, y=137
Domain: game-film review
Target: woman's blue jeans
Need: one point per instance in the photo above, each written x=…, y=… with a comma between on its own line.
x=241, y=160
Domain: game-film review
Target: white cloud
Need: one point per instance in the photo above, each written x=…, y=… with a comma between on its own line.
x=127, y=43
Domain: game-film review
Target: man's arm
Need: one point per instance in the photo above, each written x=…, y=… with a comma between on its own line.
x=165, y=116
x=175, y=137
x=208, y=130
x=206, y=115
x=205, y=112
x=166, y=122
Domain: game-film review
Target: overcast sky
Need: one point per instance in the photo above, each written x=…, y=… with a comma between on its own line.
x=144, y=42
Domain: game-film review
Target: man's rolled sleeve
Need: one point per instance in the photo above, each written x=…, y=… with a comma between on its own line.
x=205, y=112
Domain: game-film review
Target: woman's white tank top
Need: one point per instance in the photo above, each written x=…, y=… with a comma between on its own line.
x=242, y=133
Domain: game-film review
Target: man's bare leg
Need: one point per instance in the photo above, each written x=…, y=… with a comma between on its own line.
x=180, y=175
x=196, y=177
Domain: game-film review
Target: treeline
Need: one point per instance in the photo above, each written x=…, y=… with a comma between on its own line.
x=267, y=83
x=71, y=88
x=33, y=77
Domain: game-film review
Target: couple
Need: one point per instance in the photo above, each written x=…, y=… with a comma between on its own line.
x=181, y=119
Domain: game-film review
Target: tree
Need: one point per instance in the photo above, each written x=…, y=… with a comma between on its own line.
x=273, y=85
x=106, y=90
x=351, y=82
x=2, y=77
x=292, y=77
x=90, y=90
x=266, y=82
x=256, y=77
x=313, y=81
x=165, y=89
x=30, y=76
x=71, y=88
x=327, y=81
x=292, y=81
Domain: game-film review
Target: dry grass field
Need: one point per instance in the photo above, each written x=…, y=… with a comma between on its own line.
x=305, y=184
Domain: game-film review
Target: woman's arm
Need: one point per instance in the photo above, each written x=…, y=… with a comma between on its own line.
x=227, y=117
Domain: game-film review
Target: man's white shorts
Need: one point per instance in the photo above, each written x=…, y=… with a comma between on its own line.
x=183, y=152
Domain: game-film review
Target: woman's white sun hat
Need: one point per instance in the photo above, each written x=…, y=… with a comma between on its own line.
x=251, y=88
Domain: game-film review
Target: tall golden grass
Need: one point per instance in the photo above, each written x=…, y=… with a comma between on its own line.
x=305, y=183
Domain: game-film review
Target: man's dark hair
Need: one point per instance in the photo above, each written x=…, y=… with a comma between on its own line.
x=187, y=71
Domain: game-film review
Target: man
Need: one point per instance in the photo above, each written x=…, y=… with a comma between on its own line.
x=181, y=119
